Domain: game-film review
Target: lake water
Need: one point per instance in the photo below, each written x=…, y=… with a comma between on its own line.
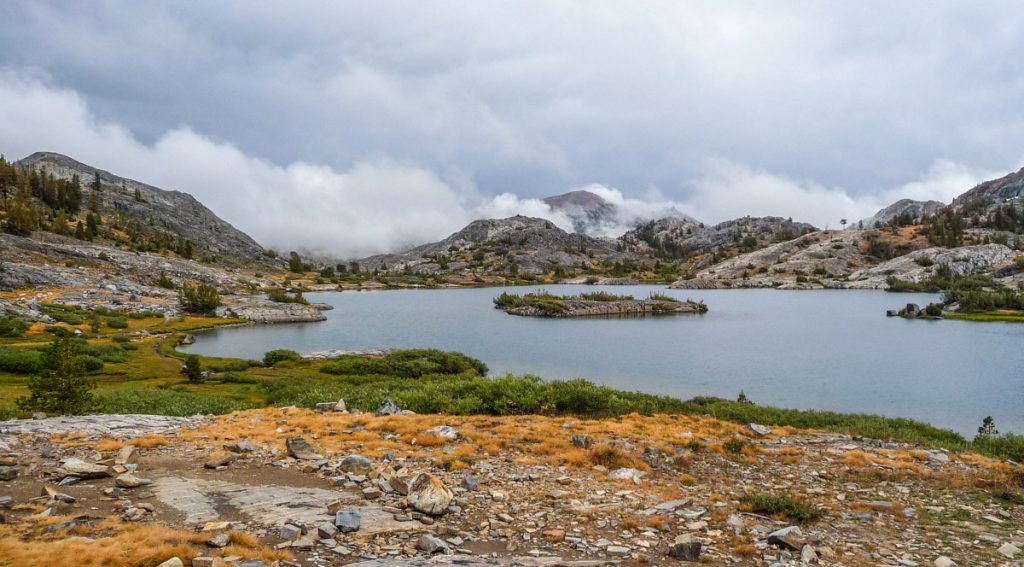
x=831, y=350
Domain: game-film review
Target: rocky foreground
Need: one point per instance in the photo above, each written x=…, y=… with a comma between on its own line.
x=299, y=487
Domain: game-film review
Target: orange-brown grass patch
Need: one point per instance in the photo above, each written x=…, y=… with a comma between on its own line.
x=612, y=457
x=145, y=442
x=113, y=543
x=538, y=438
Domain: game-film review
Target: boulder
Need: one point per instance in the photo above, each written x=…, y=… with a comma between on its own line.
x=127, y=455
x=172, y=562
x=8, y=473
x=788, y=538
x=388, y=407
x=83, y=470
x=340, y=406
x=429, y=495
x=355, y=464
x=582, y=441
x=432, y=544
x=347, y=521
x=300, y=448
x=759, y=430
x=626, y=474
x=128, y=480
x=446, y=432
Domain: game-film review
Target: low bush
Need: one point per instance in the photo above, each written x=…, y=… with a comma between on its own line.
x=90, y=363
x=156, y=401
x=407, y=364
x=20, y=361
x=11, y=327
x=280, y=355
x=781, y=505
x=117, y=323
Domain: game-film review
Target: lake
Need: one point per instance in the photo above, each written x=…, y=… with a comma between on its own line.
x=829, y=349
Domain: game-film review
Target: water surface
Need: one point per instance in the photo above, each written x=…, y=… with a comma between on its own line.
x=802, y=349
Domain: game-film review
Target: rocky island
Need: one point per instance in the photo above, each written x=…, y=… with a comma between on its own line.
x=597, y=304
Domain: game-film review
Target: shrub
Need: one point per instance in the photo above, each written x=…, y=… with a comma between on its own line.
x=165, y=282
x=155, y=401
x=192, y=369
x=735, y=445
x=280, y=355
x=781, y=505
x=11, y=327
x=90, y=363
x=281, y=296
x=235, y=366
x=20, y=361
x=238, y=378
x=201, y=298
x=61, y=387
x=407, y=364
x=117, y=323
x=123, y=339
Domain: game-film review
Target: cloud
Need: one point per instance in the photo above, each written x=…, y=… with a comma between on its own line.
x=382, y=204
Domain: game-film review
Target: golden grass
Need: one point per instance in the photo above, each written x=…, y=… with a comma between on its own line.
x=536, y=439
x=112, y=543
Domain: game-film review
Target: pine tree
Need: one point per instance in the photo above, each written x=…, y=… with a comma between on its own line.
x=79, y=231
x=91, y=226
x=295, y=263
x=95, y=185
x=192, y=369
x=62, y=386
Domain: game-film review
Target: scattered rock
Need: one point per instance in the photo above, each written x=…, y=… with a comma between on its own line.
x=8, y=473
x=943, y=561
x=172, y=562
x=626, y=474
x=217, y=462
x=128, y=480
x=1009, y=550
x=127, y=455
x=218, y=541
x=83, y=470
x=685, y=550
x=582, y=441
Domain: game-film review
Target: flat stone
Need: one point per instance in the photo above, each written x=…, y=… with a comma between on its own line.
x=326, y=531
x=218, y=541
x=1009, y=550
x=617, y=550
x=172, y=562
x=943, y=561
x=289, y=532
x=128, y=480
x=388, y=407
x=8, y=473
x=127, y=455
x=83, y=470
x=445, y=432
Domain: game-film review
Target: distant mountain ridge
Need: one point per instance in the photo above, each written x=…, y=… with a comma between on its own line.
x=171, y=211
x=904, y=208
x=593, y=215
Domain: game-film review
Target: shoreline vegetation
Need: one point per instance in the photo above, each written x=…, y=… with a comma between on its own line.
x=594, y=304
x=136, y=370
x=964, y=298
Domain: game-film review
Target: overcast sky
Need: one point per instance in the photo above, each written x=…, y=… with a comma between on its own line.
x=356, y=127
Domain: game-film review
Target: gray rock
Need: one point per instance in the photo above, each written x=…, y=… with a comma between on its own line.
x=685, y=551
x=388, y=407
x=347, y=520
x=943, y=561
x=626, y=474
x=445, y=432
x=172, y=562
x=300, y=448
x=432, y=544
x=340, y=406
x=128, y=480
x=355, y=464
x=759, y=430
x=8, y=473
x=127, y=455
x=469, y=482
x=289, y=532
x=83, y=470
x=219, y=541
x=788, y=538
x=327, y=531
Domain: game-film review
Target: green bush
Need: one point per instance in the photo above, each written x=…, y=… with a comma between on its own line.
x=90, y=363
x=201, y=298
x=280, y=355
x=123, y=339
x=20, y=361
x=117, y=323
x=238, y=378
x=407, y=364
x=279, y=295
x=235, y=366
x=781, y=504
x=155, y=401
x=11, y=327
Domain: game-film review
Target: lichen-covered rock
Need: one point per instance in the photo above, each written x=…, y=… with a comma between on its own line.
x=429, y=495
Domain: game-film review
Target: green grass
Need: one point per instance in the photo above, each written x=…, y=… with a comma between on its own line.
x=988, y=317
x=156, y=401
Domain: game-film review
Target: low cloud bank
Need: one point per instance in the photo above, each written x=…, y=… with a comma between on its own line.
x=380, y=205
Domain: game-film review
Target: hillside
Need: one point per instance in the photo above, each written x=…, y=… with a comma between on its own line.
x=157, y=213
x=1010, y=186
x=680, y=238
x=502, y=247
x=904, y=212
x=588, y=211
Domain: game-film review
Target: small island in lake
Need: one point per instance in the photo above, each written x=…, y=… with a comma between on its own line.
x=595, y=304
